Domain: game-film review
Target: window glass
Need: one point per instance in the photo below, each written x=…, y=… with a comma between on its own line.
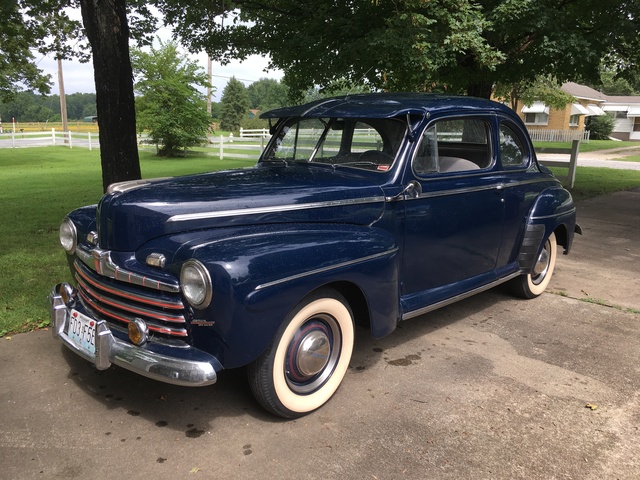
x=299, y=140
x=512, y=152
x=370, y=144
x=453, y=145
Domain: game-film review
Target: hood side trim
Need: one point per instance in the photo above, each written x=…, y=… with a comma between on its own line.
x=274, y=209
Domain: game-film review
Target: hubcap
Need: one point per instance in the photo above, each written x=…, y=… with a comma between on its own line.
x=313, y=354
x=542, y=265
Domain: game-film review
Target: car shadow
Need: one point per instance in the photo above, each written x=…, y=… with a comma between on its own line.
x=193, y=410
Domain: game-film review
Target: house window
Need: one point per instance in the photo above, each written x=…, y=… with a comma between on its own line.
x=536, y=118
x=574, y=120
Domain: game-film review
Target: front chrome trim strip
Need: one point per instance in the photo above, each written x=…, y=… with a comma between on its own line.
x=449, y=301
x=100, y=261
x=326, y=269
x=274, y=209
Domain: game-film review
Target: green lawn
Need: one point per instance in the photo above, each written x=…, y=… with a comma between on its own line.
x=592, y=146
x=38, y=186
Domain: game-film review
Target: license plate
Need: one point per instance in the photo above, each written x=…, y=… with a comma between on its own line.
x=82, y=331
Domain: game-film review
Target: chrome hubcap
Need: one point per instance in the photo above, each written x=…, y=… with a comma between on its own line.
x=313, y=354
x=542, y=265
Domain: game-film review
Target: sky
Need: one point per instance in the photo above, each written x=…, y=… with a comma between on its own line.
x=78, y=77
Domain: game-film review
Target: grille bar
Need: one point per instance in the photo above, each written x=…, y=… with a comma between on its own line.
x=121, y=302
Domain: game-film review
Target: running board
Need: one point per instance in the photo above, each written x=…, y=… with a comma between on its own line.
x=449, y=301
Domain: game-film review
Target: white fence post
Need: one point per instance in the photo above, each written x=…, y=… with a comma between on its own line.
x=89, y=134
x=241, y=132
x=53, y=137
x=573, y=163
x=70, y=146
x=221, y=147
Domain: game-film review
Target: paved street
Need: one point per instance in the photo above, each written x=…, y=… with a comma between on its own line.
x=490, y=388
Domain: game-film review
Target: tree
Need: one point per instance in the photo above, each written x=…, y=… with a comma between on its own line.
x=441, y=45
x=541, y=88
x=235, y=104
x=266, y=94
x=170, y=107
x=32, y=24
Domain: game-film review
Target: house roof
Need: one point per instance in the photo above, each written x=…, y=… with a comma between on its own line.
x=583, y=92
x=625, y=100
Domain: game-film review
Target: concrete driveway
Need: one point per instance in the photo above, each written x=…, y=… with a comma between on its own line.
x=489, y=388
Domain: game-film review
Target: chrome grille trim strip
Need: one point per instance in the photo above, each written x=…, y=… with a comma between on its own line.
x=275, y=209
x=109, y=312
x=100, y=261
x=139, y=311
x=149, y=300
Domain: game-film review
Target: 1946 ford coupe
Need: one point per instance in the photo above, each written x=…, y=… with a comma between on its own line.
x=366, y=208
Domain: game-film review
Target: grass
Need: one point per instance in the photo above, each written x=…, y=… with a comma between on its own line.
x=632, y=158
x=592, y=146
x=592, y=182
x=38, y=186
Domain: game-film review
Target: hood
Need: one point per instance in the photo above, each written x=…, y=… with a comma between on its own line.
x=131, y=216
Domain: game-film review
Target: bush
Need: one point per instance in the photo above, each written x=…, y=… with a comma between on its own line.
x=600, y=127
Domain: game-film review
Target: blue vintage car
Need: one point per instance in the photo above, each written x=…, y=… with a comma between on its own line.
x=365, y=208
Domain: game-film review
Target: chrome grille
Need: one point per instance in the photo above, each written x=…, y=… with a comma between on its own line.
x=120, y=302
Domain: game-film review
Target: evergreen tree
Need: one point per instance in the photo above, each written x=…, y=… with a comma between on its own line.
x=235, y=104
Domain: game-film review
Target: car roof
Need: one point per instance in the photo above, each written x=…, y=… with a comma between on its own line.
x=385, y=105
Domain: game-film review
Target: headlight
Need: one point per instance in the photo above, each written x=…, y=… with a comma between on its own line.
x=196, y=284
x=68, y=236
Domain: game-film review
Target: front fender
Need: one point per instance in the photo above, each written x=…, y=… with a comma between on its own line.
x=260, y=274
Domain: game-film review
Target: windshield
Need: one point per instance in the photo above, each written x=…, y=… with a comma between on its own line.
x=370, y=144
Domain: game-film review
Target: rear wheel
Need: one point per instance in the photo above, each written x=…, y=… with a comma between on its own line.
x=533, y=284
x=307, y=359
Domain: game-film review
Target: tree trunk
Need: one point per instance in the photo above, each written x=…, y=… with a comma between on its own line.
x=105, y=22
x=480, y=89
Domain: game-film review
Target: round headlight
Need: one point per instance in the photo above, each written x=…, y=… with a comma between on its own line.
x=196, y=284
x=68, y=236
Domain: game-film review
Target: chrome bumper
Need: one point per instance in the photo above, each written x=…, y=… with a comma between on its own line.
x=111, y=350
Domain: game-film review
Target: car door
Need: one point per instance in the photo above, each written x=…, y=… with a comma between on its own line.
x=453, y=226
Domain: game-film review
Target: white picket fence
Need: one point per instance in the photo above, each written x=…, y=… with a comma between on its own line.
x=46, y=139
x=564, y=136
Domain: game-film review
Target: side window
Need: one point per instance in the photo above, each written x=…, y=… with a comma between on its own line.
x=512, y=152
x=454, y=145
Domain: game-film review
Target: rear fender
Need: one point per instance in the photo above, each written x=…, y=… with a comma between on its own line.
x=552, y=211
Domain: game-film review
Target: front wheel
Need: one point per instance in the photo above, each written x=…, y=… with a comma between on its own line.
x=533, y=284
x=307, y=359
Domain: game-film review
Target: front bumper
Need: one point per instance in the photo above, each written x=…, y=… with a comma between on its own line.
x=112, y=350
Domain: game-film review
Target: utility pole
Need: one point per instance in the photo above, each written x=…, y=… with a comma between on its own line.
x=210, y=69
x=63, y=98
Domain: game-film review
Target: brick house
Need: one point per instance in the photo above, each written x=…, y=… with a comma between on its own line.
x=568, y=123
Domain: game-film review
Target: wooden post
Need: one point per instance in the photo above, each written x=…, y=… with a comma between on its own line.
x=573, y=163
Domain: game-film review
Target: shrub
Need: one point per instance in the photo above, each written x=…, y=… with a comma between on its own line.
x=600, y=127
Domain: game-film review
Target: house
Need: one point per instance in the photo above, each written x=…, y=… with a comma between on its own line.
x=626, y=112
x=546, y=123
x=563, y=124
